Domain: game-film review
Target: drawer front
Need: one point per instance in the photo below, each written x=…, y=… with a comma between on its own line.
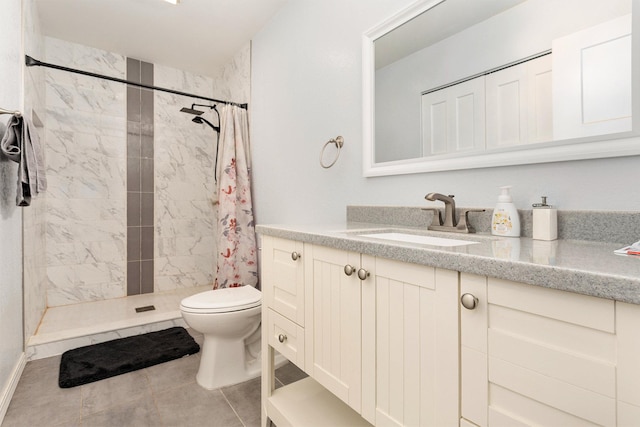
x=283, y=277
x=286, y=337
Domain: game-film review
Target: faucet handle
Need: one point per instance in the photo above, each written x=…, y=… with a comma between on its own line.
x=463, y=224
x=437, y=219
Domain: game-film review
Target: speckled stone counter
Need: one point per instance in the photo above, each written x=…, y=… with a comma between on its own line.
x=580, y=266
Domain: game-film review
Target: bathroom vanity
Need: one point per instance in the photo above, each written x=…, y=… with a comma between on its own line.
x=502, y=331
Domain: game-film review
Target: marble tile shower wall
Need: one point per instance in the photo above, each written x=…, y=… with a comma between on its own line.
x=233, y=81
x=86, y=149
x=86, y=167
x=185, y=214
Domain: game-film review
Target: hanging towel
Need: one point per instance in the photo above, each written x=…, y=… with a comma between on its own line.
x=21, y=144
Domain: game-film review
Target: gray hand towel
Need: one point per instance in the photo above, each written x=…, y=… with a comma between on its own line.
x=21, y=144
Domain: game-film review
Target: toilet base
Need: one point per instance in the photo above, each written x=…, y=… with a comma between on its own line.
x=222, y=363
x=227, y=362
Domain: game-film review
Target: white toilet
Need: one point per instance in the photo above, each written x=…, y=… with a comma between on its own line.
x=229, y=319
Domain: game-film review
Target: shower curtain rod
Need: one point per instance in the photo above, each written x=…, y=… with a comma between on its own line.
x=30, y=62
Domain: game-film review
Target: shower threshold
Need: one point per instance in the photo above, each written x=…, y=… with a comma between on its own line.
x=71, y=326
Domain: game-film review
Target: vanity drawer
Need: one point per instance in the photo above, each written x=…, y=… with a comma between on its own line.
x=286, y=337
x=283, y=276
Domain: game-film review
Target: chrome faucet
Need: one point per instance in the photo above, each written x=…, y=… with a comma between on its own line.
x=450, y=223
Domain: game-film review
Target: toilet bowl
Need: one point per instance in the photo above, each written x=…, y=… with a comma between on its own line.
x=227, y=318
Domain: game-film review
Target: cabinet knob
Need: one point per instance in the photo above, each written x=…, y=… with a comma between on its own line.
x=295, y=256
x=282, y=338
x=469, y=301
x=349, y=269
x=363, y=274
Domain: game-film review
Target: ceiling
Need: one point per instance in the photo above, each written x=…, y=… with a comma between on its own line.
x=195, y=35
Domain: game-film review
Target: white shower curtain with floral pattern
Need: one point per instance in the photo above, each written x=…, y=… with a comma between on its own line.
x=237, y=251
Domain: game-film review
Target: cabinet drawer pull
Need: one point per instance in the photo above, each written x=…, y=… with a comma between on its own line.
x=469, y=301
x=363, y=274
x=282, y=338
x=349, y=269
x=295, y=256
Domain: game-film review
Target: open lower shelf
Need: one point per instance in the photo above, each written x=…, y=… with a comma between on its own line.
x=307, y=403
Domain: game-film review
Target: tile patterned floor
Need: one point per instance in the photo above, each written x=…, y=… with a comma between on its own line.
x=161, y=395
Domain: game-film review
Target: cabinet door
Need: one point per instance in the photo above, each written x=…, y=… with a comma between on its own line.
x=410, y=345
x=550, y=357
x=592, y=80
x=473, y=351
x=628, y=334
x=283, y=277
x=333, y=346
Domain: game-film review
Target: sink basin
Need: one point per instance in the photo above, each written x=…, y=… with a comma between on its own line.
x=415, y=238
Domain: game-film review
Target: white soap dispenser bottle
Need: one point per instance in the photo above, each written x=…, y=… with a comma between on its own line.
x=505, y=220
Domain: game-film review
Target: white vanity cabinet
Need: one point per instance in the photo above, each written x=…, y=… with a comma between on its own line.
x=391, y=343
x=312, y=327
x=380, y=341
x=537, y=356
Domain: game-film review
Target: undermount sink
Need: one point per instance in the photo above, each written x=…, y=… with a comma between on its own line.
x=420, y=239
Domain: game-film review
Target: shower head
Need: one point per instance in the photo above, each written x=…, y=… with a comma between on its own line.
x=191, y=110
x=201, y=120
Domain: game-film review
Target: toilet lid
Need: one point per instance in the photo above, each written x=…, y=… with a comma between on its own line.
x=226, y=299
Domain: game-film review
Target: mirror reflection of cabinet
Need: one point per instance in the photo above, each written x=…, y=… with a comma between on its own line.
x=519, y=104
x=520, y=128
x=592, y=80
x=504, y=108
x=453, y=118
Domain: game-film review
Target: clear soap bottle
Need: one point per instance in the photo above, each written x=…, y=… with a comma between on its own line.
x=505, y=220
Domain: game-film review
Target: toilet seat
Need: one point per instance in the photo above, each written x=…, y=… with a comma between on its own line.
x=223, y=300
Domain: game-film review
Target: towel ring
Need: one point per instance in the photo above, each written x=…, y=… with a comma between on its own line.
x=339, y=141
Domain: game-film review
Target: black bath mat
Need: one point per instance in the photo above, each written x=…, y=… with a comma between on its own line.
x=99, y=361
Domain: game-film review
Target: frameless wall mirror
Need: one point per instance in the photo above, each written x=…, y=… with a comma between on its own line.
x=454, y=84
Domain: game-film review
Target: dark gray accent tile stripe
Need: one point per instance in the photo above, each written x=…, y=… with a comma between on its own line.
x=140, y=179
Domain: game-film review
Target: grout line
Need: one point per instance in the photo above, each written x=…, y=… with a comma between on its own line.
x=232, y=408
x=155, y=402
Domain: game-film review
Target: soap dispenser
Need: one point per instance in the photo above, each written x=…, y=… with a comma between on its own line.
x=505, y=220
x=545, y=221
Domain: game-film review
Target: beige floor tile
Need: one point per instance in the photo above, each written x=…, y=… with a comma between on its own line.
x=194, y=406
x=104, y=394
x=135, y=413
x=245, y=400
x=289, y=373
x=174, y=373
x=39, y=401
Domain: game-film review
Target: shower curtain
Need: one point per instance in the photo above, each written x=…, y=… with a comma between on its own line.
x=237, y=251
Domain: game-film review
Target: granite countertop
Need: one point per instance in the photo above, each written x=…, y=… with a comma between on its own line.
x=584, y=267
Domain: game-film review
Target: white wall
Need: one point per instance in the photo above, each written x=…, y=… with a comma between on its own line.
x=307, y=88
x=10, y=215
